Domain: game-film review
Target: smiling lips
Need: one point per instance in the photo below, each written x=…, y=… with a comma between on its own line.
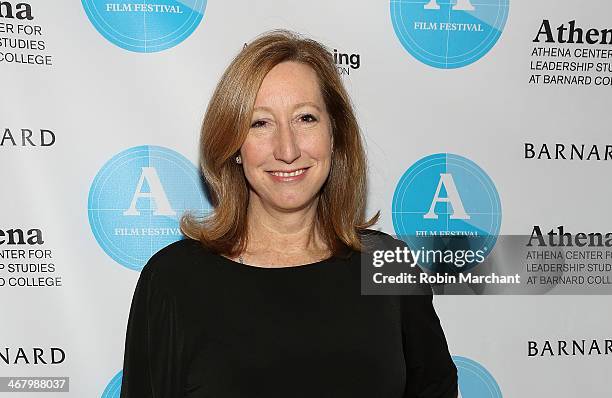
x=291, y=175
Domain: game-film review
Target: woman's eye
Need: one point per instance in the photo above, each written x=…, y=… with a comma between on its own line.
x=308, y=118
x=258, y=123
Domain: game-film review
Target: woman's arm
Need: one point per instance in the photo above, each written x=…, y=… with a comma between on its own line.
x=430, y=371
x=153, y=349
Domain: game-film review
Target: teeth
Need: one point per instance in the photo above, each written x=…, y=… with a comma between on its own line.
x=292, y=174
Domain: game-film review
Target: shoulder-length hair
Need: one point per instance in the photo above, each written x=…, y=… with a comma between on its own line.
x=340, y=216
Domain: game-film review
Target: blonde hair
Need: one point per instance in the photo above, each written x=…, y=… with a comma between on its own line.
x=340, y=216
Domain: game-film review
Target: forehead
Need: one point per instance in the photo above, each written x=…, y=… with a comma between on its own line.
x=289, y=82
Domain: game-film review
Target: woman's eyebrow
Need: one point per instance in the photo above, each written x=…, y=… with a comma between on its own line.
x=301, y=104
x=308, y=103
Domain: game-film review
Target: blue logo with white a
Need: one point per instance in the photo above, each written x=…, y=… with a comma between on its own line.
x=136, y=201
x=448, y=34
x=474, y=380
x=146, y=26
x=446, y=201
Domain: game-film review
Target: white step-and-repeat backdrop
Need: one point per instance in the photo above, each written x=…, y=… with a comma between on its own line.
x=100, y=107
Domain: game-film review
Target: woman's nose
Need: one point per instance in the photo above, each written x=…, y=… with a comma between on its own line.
x=286, y=146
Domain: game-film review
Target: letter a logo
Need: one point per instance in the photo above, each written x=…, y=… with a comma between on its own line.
x=157, y=195
x=137, y=198
x=446, y=195
x=452, y=197
x=448, y=34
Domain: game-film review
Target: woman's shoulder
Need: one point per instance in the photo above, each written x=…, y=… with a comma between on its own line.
x=181, y=249
x=175, y=261
x=373, y=239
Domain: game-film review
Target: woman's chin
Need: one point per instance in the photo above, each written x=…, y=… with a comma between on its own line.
x=285, y=201
x=290, y=205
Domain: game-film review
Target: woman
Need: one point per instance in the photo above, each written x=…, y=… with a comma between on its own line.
x=263, y=299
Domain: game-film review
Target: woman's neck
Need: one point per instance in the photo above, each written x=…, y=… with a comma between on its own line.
x=283, y=232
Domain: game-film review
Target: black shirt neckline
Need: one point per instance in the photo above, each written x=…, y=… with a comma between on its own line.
x=314, y=265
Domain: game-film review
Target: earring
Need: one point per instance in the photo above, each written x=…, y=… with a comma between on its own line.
x=238, y=159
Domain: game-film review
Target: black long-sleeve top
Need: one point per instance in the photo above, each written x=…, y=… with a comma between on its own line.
x=201, y=326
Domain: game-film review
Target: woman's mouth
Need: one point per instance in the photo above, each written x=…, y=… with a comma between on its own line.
x=289, y=175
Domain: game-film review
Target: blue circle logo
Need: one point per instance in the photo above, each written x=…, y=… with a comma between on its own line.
x=136, y=200
x=448, y=34
x=446, y=202
x=113, y=389
x=474, y=380
x=147, y=26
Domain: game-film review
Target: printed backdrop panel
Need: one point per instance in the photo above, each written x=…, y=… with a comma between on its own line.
x=505, y=103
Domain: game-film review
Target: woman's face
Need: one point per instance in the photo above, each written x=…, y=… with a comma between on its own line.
x=287, y=152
